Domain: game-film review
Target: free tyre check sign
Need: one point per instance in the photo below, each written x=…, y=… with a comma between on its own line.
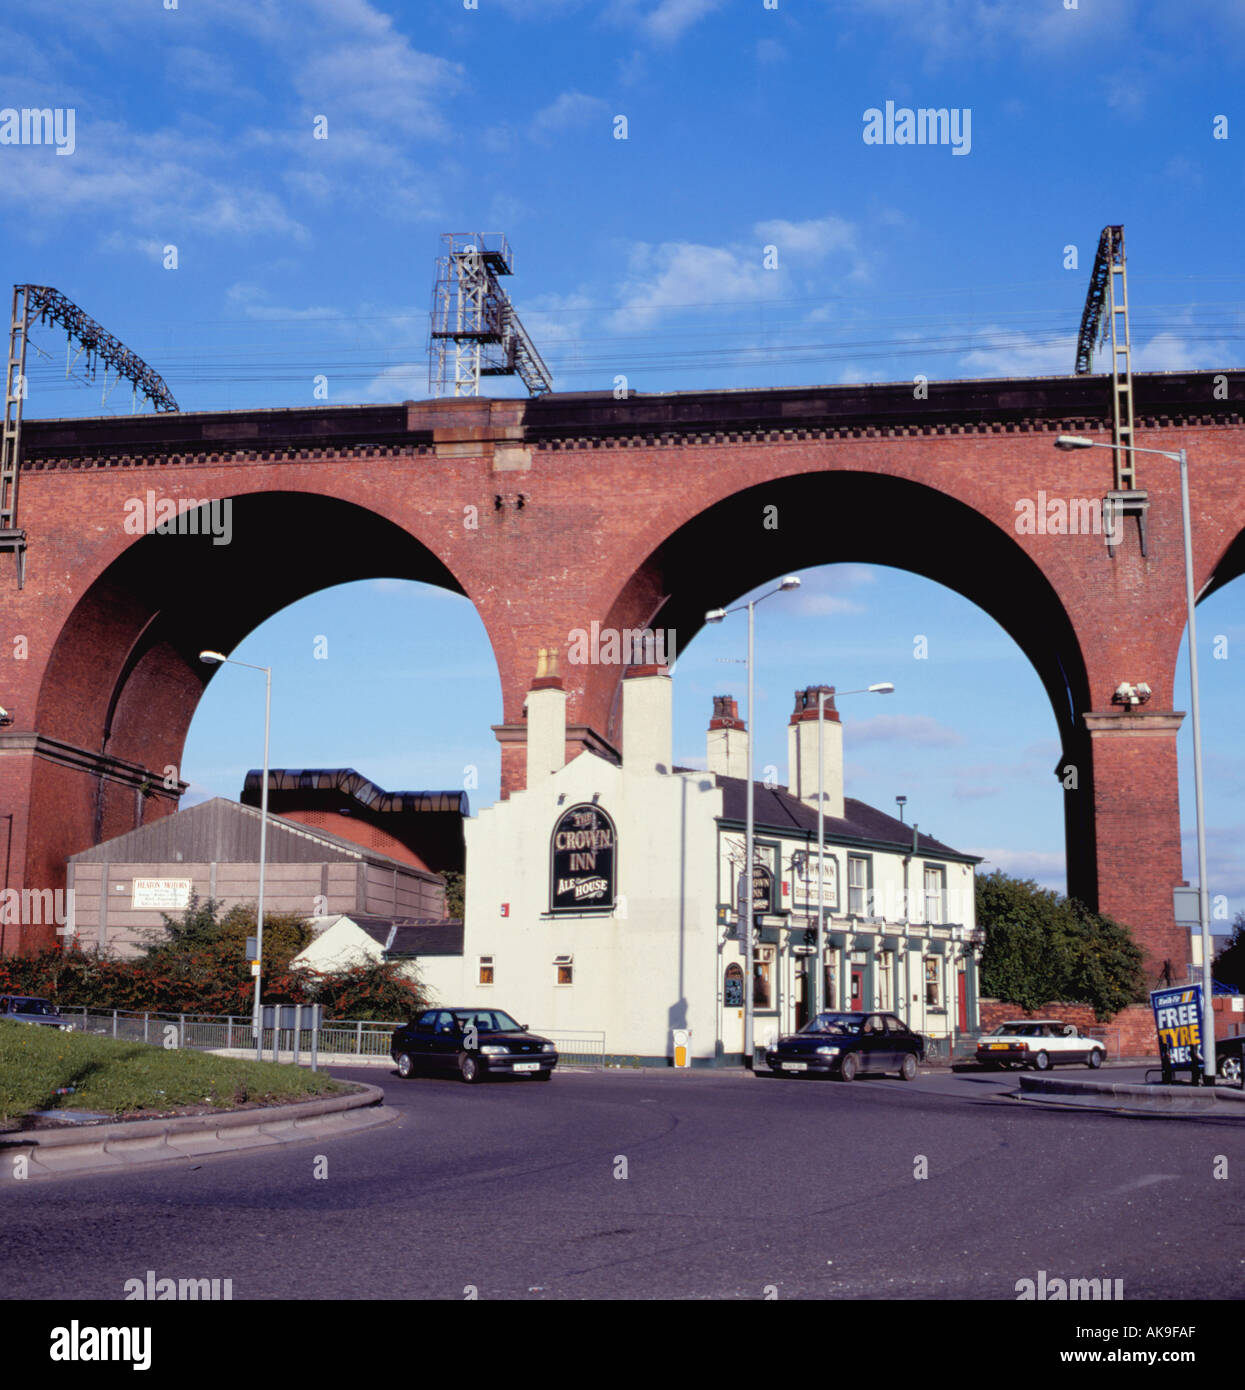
x=1178, y=1019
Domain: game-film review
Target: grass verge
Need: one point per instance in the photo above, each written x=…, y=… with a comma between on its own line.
x=46, y=1069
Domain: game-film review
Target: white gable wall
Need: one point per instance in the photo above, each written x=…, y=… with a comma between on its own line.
x=649, y=966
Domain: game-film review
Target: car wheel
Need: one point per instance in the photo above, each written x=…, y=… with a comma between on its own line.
x=1094, y=1060
x=1230, y=1070
x=405, y=1066
x=1042, y=1061
x=848, y=1067
x=468, y=1068
x=908, y=1070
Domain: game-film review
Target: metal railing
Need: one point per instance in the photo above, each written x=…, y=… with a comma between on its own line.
x=338, y=1037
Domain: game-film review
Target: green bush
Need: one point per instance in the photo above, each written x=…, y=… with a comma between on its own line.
x=1043, y=948
x=199, y=965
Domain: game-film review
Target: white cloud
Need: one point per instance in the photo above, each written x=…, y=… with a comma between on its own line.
x=404, y=381
x=969, y=792
x=668, y=21
x=917, y=729
x=568, y=111
x=677, y=274
x=822, y=605
x=947, y=30
x=1046, y=866
x=1008, y=353
x=683, y=274
x=386, y=82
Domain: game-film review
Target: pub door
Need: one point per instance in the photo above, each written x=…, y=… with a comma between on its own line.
x=801, y=994
x=858, y=987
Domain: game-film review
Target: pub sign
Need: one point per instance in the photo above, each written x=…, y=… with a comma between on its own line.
x=582, y=859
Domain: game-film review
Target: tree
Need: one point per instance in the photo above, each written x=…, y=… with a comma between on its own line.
x=455, y=894
x=1043, y=948
x=201, y=926
x=1229, y=964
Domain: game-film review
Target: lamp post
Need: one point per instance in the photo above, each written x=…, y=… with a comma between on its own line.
x=747, y=927
x=213, y=659
x=1076, y=441
x=881, y=688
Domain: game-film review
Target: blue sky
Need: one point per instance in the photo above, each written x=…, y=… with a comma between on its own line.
x=298, y=257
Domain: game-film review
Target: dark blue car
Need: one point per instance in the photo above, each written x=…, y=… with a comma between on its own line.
x=474, y=1043
x=844, y=1044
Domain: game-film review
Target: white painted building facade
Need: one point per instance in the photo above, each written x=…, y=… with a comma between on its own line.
x=601, y=898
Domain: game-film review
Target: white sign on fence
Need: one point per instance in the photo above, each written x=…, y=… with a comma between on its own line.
x=161, y=893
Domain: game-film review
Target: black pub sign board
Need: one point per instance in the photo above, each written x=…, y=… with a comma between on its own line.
x=582, y=855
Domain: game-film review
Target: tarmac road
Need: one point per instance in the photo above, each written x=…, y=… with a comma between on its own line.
x=668, y=1185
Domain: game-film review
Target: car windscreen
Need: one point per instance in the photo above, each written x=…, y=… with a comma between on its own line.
x=832, y=1023
x=486, y=1020
x=32, y=1006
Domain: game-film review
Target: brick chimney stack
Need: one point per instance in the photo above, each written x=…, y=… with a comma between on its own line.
x=728, y=739
x=802, y=750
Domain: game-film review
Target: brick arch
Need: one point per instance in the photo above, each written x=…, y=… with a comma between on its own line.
x=727, y=550
x=122, y=678
x=826, y=517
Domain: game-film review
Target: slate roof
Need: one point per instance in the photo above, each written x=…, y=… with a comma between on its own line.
x=402, y=937
x=226, y=832
x=775, y=809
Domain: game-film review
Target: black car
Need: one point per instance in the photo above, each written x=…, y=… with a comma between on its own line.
x=472, y=1042
x=29, y=1008
x=834, y=1044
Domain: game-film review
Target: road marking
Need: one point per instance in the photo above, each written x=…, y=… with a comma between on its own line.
x=1148, y=1181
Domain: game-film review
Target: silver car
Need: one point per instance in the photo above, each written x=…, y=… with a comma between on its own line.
x=29, y=1008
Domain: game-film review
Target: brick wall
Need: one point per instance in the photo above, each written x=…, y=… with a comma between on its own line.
x=602, y=521
x=1129, y=1034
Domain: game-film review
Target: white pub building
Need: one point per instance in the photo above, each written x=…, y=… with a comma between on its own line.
x=603, y=897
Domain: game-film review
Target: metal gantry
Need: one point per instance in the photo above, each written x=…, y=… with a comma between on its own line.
x=474, y=330
x=1108, y=289
x=47, y=305
x=1108, y=285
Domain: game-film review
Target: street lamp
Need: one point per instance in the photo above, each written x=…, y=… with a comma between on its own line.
x=747, y=928
x=213, y=659
x=881, y=688
x=1076, y=441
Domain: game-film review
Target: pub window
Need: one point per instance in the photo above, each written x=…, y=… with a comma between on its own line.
x=933, y=982
x=733, y=986
x=763, y=978
x=486, y=970
x=935, y=893
x=564, y=970
x=860, y=885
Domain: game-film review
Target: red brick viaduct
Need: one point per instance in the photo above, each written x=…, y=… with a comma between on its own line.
x=649, y=510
